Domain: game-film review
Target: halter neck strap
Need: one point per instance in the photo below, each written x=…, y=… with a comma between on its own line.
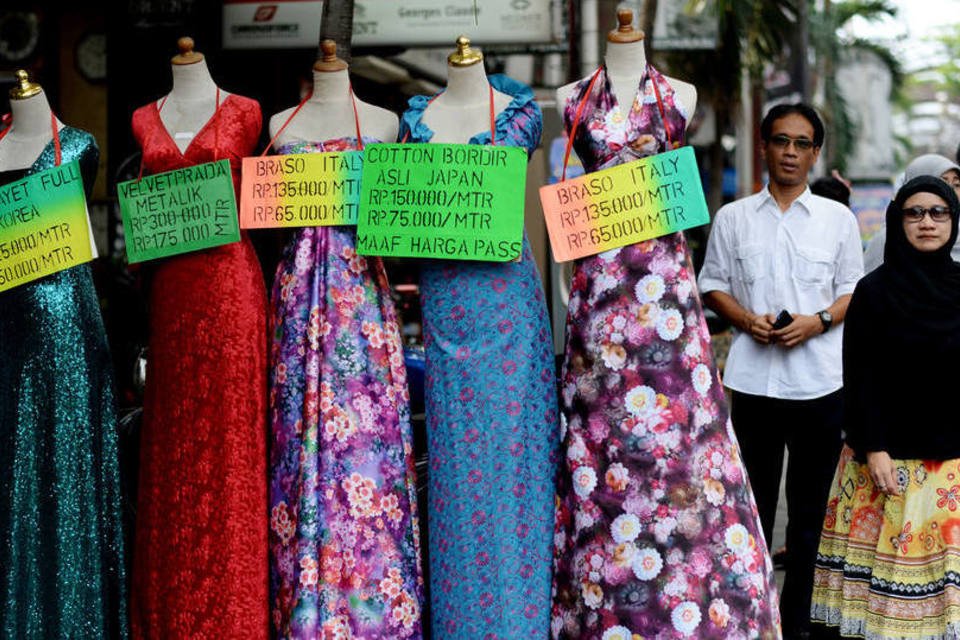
x=356, y=121
x=215, y=118
x=7, y=119
x=583, y=102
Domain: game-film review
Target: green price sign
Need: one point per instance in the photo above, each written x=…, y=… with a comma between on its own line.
x=456, y=201
x=180, y=211
x=44, y=227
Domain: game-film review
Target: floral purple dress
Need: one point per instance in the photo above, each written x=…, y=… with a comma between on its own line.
x=344, y=542
x=492, y=424
x=657, y=532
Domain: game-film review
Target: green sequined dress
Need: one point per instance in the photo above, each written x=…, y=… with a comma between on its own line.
x=61, y=546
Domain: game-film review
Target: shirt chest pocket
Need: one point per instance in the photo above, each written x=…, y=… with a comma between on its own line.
x=750, y=262
x=813, y=267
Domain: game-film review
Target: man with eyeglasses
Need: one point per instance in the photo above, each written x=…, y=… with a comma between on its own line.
x=786, y=250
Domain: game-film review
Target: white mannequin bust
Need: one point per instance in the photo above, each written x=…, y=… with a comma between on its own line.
x=463, y=109
x=193, y=99
x=30, y=130
x=626, y=62
x=328, y=114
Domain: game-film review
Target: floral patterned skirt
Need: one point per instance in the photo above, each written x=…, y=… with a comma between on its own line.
x=657, y=533
x=344, y=545
x=889, y=567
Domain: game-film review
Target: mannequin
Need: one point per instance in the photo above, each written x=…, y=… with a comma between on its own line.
x=192, y=101
x=59, y=476
x=216, y=428
x=30, y=129
x=316, y=266
x=328, y=114
x=615, y=353
x=489, y=393
x=626, y=60
x=463, y=110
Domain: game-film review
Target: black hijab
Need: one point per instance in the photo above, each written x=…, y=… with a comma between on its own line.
x=920, y=290
x=903, y=325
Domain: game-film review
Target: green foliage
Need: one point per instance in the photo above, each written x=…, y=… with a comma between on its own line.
x=831, y=43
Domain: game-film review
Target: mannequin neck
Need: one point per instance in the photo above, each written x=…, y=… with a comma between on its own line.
x=192, y=82
x=625, y=58
x=467, y=86
x=31, y=117
x=331, y=86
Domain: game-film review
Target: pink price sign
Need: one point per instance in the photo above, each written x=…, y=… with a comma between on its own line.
x=622, y=205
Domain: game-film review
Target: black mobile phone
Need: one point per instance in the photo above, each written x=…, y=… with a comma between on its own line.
x=782, y=320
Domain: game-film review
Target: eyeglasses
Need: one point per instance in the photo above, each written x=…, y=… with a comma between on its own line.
x=937, y=214
x=782, y=142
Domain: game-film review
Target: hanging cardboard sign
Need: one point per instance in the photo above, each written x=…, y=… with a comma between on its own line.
x=300, y=190
x=180, y=211
x=629, y=203
x=458, y=201
x=44, y=225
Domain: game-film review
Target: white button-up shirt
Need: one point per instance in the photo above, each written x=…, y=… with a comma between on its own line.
x=800, y=260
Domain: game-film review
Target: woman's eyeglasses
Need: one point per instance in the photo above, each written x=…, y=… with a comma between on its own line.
x=781, y=141
x=937, y=214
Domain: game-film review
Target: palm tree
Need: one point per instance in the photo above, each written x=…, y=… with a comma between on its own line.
x=831, y=43
x=752, y=33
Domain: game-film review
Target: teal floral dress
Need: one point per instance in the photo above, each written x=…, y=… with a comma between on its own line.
x=492, y=423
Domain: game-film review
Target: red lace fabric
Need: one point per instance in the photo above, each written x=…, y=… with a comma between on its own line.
x=200, y=554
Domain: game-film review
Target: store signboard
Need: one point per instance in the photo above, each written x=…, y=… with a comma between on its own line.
x=44, y=225
x=296, y=23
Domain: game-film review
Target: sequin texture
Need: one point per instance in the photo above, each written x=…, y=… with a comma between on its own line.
x=61, y=544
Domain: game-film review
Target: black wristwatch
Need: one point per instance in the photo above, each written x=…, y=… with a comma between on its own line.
x=826, y=318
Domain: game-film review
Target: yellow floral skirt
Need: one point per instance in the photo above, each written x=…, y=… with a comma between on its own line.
x=889, y=567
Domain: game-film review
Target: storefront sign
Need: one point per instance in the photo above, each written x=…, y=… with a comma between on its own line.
x=455, y=201
x=44, y=226
x=296, y=23
x=300, y=190
x=271, y=25
x=180, y=211
x=625, y=204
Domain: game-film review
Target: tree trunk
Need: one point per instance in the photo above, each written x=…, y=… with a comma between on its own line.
x=336, y=23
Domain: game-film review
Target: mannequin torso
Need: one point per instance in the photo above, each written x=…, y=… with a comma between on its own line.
x=191, y=102
x=626, y=62
x=328, y=115
x=463, y=109
x=29, y=133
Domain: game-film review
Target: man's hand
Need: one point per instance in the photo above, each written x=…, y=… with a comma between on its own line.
x=758, y=326
x=883, y=472
x=800, y=330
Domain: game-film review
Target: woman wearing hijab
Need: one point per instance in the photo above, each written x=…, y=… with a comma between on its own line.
x=888, y=565
x=929, y=164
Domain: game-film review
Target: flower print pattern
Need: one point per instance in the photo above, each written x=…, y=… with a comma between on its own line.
x=344, y=539
x=657, y=534
x=492, y=423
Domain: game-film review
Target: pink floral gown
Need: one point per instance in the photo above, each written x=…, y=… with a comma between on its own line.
x=657, y=532
x=344, y=541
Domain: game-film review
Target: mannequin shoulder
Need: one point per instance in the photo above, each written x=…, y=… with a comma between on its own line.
x=278, y=119
x=685, y=92
x=378, y=122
